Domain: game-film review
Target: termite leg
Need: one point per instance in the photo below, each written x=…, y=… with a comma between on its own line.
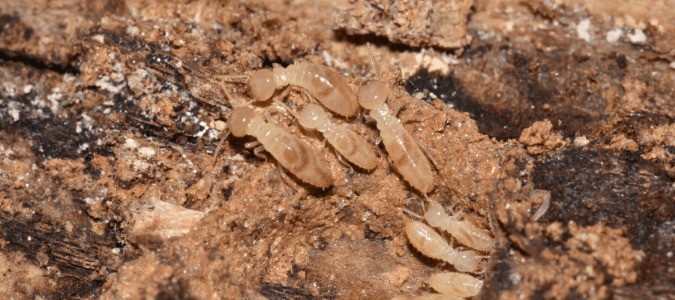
x=288, y=110
x=258, y=152
x=377, y=151
x=368, y=119
x=309, y=98
x=396, y=107
x=278, y=99
x=433, y=161
x=258, y=149
x=284, y=92
x=351, y=169
x=285, y=178
x=391, y=164
x=293, y=128
x=268, y=117
x=220, y=147
x=251, y=145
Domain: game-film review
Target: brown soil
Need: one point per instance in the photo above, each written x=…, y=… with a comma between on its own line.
x=118, y=181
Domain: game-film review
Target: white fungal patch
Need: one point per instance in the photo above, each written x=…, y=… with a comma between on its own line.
x=54, y=99
x=130, y=144
x=614, y=35
x=10, y=89
x=98, y=38
x=147, y=152
x=105, y=83
x=637, y=37
x=581, y=141
x=13, y=109
x=582, y=30
x=83, y=147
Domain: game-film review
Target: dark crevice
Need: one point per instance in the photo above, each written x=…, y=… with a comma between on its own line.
x=35, y=62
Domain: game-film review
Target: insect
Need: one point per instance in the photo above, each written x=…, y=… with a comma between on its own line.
x=346, y=142
x=465, y=232
x=431, y=244
x=325, y=84
x=546, y=201
x=455, y=284
x=404, y=152
x=292, y=153
x=429, y=297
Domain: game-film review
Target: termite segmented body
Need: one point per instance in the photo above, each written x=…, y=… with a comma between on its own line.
x=429, y=297
x=404, y=152
x=465, y=232
x=347, y=142
x=325, y=84
x=455, y=284
x=292, y=153
x=431, y=244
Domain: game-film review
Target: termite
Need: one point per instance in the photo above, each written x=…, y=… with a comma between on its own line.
x=328, y=86
x=292, y=153
x=455, y=284
x=545, y=202
x=429, y=297
x=465, y=232
x=430, y=243
x=404, y=152
x=347, y=142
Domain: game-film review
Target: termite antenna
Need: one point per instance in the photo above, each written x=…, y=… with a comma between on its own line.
x=427, y=198
x=412, y=214
x=234, y=78
x=413, y=85
x=372, y=63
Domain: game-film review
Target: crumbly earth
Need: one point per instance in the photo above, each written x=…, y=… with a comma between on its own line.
x=118, y=179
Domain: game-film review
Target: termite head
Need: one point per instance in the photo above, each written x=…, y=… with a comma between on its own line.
x=372, y=94
x=239, y=120
x=466, y=261
x=261, y=85
x=312, y=117
x=435, y=215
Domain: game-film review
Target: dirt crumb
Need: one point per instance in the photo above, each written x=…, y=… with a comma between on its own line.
x=414, y=23
x=399, y=276
x=20, y=278
x=540, y=137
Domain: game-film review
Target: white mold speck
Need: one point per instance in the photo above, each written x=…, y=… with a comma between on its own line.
x=582, y=30
x=614, y=35
x=146, y=151
x=130, y=143
x=98, y=38
x=54, y=98
x=637, y=37
x=13, y=109
x=104, y=83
